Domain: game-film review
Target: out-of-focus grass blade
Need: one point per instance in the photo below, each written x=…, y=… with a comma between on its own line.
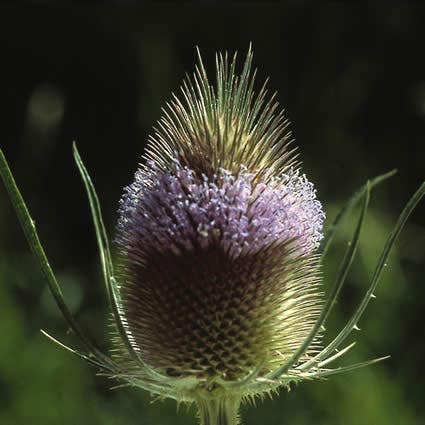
x=352, y=323
x=28, y=226
x=348, y=259
x=352, y=202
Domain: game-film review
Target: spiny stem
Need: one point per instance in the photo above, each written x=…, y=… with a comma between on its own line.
x=219, y=411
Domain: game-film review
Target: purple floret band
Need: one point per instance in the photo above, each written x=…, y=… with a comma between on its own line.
x=177, y=210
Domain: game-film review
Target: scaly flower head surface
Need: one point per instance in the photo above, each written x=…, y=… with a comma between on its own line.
x=217, y=237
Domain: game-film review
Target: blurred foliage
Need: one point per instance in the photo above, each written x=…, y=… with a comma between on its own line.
x=354, y=86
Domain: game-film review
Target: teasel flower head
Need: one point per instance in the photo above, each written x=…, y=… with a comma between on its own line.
x=215, y=292
x=217, y=239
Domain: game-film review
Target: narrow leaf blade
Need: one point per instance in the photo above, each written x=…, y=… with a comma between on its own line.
x=352, y=202
x=352, y=323
x=29, y=229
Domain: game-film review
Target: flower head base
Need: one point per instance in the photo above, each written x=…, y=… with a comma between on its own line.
x=216, y=295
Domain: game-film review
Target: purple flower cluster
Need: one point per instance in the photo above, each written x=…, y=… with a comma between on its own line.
x=178, y=211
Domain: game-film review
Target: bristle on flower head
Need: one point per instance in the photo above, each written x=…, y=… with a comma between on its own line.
x=217, y=236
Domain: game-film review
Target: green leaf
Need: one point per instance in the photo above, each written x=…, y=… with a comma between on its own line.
x=101, y=236
x=28, y=226
x=342, y=369
x=107, y=265
x=74, y=351
x=104, y=250
x=352, y=323
x=352, y=202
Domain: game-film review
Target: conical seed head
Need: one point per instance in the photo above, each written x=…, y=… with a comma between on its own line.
x=216, y=237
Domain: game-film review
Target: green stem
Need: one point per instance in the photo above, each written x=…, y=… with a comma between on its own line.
x=219, y=411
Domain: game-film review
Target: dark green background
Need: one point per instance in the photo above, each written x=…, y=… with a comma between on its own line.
x=352, y=80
